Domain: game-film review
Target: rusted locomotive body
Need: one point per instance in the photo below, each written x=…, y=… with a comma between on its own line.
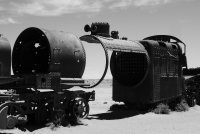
x=144, y=71
x=153, y=77
x=45, y=64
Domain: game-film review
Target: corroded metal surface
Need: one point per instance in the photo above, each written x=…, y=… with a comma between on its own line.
x=43, y=51
x=115, y=44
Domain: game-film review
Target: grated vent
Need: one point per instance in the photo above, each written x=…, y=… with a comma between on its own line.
x=129, y=68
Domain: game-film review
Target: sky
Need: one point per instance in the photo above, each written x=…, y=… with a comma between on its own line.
x=135, y=19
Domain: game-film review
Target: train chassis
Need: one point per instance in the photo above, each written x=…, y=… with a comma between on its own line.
x=30, y=104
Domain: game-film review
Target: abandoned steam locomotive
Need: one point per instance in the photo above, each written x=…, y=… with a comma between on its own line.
x=145, y=71
x=47, y=63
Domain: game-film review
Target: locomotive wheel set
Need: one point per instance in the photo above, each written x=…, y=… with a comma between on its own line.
x=46, y=64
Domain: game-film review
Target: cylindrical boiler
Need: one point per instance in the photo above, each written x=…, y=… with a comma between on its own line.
x=44, y=51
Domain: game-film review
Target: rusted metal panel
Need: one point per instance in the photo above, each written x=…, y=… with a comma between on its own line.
x=43, y=51
x=115, y=44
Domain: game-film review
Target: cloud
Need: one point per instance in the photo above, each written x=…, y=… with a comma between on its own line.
x=17, y=8
x=56, y=7
x=151, y=2
x=138, y=3
x=60, y=7
x=8, y=21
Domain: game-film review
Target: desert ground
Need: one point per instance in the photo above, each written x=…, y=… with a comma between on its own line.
x=122, y=121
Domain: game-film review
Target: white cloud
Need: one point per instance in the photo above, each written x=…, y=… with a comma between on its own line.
x=150, y=2
x=121, y=3
x=8, y=21
x=60, y=7
x=15, y=8
x=56, y=7
x=138, y=3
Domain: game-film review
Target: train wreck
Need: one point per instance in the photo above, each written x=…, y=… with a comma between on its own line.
x=46, y=64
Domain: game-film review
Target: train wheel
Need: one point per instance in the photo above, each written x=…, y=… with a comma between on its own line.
x=79, y=108
x=13, y=114
x=3, y=117
x=192, y=102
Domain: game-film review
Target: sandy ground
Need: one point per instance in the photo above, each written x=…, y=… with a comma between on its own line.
x=122, y=121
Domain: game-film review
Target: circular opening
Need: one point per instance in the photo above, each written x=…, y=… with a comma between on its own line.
x=129, y=68
x=97, y=60
x=31, y=52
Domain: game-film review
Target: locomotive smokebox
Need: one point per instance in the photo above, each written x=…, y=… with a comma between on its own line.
x=43, y=51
